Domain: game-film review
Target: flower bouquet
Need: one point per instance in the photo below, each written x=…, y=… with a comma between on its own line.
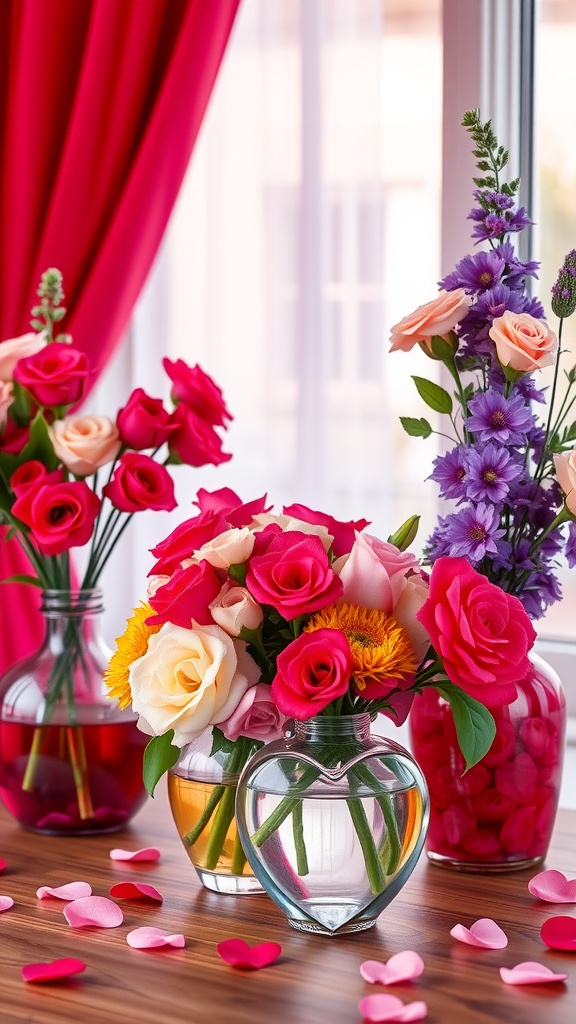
x=71, y=480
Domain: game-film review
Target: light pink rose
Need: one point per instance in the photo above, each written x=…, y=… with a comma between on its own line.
x=257, y=716
x=5, y=400
x=234, y=608
x=18, y=348
x=84, y=443
x=374, y=574
x=522, y=342
x=565, y=466
x=413, y=596
x=437, y=317
x=232, y=547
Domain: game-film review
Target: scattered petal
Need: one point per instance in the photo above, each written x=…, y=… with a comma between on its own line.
x=2, y=864
x=553, y=887
x=71, y=891
x=239, y=954
x=54, y=970
x=382, y=1007
x=152, y=938
x=148, y=853
x=529, y=973
x=484, y=932
x=93, y=911
x=135, y=891
x=6, y=902
x=400, y=967
x=559, y=933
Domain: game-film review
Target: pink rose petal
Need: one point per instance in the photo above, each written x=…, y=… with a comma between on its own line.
x=54, y=970
x=559, y=933
x=153, y=938
x=400, y=967
x=2, y=864
x=239, y=954
x=148, y=853
x=93, y=911
x=71, y=891
x=485, y=933
x=529, y=973
x=553, y=887
x=6, y=902
x=382, y=1007
x=135, y=891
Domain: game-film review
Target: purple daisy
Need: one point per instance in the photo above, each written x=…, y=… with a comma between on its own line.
x=476, y=273
x=516, y=270
x=450, y=473
x=496, y=418
x=491, y=470
x=571, y=545
x=472, y=533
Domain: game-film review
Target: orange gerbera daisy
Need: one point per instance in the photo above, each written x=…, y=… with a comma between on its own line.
x=131, y=645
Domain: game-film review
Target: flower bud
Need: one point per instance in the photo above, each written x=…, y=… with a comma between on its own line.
x=405, y=534
x=564, y=290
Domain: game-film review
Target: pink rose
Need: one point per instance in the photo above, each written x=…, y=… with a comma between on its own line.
x=194, y=441
x=292, y=574
x=227, y=502
x=143, y=422
x=235, y=608
x=565, y=466
x=257, y=716
x=437, y=317
x=28, y=474
x=186, y=597
x=522, y=342
x=55, y=375
x=343, y=533
x=140, y=483
x=18, y=348
x=374, y=575
x=84, y=443
x=312, y=671
x=184, y=540
x=482, y=634
x=60, y=515
x=6, y=399
x=194, y=388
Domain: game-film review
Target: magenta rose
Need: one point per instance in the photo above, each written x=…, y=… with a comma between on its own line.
x=139, y=483
x=143, y=422
x=231, y=506
x=60, y=515
x=482, y=634
x=28, y=474
x=293, y=574
x=55, y=375
x=186, y=596
x=193, y=440
x=312, y=671
x=186, y=538
x=257, y=716
x=343, y=533
x=194, y=388
x=14, y=438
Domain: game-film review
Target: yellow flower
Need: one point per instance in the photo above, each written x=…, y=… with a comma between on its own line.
x=131, y=645
x=381, y=648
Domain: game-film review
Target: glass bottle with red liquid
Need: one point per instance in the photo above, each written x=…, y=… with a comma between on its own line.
x=70, y=759
x=499, y=815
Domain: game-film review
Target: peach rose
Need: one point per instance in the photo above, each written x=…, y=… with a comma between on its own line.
x=522, y=342
x=232, y=547
x=17, y=348
x=414, y=595
x=234, y=608
x=437, y=317
x=565, y=466
x=5, y=400
x=84, y=443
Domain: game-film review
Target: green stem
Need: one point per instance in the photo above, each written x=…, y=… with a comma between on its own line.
x=238, y=857
x=374, y=868
x=215, y=797
x=222, y=821
x=299, y=843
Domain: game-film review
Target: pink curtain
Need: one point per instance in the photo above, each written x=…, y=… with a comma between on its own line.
x=100, y=105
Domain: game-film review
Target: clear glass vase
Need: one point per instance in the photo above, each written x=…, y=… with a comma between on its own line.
x=333, y=821
x=499, y=815
x=70, y=759
x=202, y=791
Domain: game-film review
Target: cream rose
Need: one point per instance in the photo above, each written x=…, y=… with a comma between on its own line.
x=411, y=599
x=229, y=548
x=288, y=523
x=522, y=342
x=234, y=608
x=84, y=443
x=5, y=400
x=17, y=348
x=437, y=317
x=189, y=679
x=565, y=466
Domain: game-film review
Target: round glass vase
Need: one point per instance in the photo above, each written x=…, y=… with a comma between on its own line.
x=499, y=815
x=202, y=791
x=70, y=759
x=333, y=821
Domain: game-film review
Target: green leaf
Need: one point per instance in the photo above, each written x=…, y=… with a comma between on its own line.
x=475, y=726
x=434, y=396
x=416, y=428
x=442, y=349
x=23, y=578
x=219, y=742
x=238, y=572
x=159, y=756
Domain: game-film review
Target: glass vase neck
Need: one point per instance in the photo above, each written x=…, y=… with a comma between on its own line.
x=77, y=603
x=324, y=727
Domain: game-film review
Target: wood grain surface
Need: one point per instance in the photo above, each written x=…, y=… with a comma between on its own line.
x=316, y=980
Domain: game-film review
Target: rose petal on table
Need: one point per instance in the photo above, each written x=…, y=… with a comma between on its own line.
x=400, y=967
x=6, y=902
x=93, y=911
x=53, y=970
x=70, y=891
x=149, y=853
x=152, y=938
x=553, y=886
x=484, y=932
x=529, y=973
x=2, y=864
x=135, y=891
x=238, y=953
x=382, y=1007
x=559, y=933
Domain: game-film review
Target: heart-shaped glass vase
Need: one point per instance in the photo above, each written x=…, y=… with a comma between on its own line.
x=332, y=821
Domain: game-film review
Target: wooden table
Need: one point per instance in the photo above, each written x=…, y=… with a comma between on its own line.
x=315, y=981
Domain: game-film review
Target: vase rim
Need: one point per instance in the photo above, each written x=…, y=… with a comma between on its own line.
x=71, y=601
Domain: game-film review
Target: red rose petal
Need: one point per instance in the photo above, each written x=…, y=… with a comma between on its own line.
x=135, y=891
x=2, y=864
x=71, y=891
x=553, y=887
x=559, y=933
x=93, y=912
x=54, y=970
x=239, y=954
x=153, y=938
x=148, y=853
